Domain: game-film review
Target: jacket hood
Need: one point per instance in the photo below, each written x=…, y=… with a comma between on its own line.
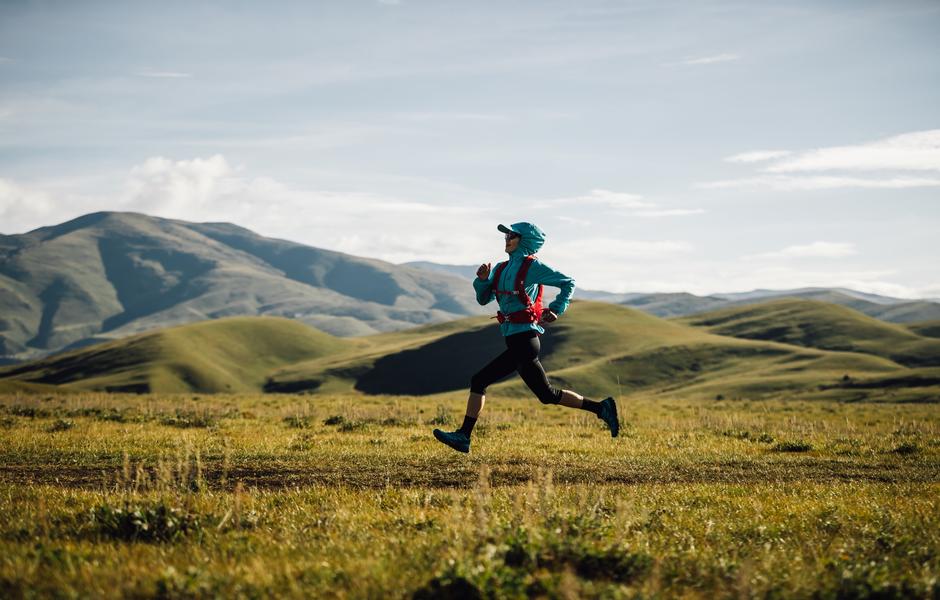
x=532, y=240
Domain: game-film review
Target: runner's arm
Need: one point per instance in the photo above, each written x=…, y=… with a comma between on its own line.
x=484, y=289
x=539, y=272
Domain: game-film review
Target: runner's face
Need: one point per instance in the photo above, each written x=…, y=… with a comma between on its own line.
x=512, y=244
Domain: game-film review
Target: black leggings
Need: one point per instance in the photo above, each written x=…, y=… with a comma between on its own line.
x=522, y=355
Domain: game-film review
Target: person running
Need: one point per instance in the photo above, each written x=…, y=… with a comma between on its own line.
x=514, y=284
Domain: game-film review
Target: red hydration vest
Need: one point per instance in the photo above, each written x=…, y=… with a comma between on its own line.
x=532, y=313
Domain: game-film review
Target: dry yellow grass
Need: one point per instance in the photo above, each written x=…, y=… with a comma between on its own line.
x=345, y=496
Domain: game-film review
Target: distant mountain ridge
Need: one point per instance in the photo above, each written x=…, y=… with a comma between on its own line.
x=680, y=304
x=107, y=275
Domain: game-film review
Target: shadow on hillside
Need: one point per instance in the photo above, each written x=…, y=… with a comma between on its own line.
x=68, y=368
x=441, y=366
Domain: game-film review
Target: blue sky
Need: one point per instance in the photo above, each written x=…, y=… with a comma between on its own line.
x=663, y=146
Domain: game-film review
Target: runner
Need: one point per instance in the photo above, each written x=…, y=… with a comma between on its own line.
x=514, y=284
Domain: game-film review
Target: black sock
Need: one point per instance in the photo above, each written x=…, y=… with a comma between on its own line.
x=591, y=406
x=468, y=423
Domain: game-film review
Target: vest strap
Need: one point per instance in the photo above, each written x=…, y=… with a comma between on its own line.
x=532, y=313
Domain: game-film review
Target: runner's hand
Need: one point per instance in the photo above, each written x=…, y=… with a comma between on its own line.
x=548, y=316
x=483, y=273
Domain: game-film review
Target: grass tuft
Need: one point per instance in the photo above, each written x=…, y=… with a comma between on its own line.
x=297, y=422
x=157, y=522
x=792, y=446
x=61, y=425
x=906, y=448
x=185, y=419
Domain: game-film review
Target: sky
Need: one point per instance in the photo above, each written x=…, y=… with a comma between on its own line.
x=702, y=146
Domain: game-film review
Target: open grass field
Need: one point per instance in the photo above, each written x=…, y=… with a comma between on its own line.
x=350, y=496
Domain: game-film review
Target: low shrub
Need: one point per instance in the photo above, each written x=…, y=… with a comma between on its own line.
x=906, y=448
x=61, y=425
x=763, y=437
x=187, y=419
x=29, y=411
x=352, y=425
x=590, y=560
x=441, y=418
x=146, y=523
x=793, y=446
x=297, y=422
x=114, y=416
x=448, y=587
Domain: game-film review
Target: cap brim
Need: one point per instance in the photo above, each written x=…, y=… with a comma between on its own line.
x=505, y=229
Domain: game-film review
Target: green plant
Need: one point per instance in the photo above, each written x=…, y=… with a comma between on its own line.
x=906, y=448
x=792, y=446
x=158, y=522
x=187, y=419
x=298, y=422
x=61, y=425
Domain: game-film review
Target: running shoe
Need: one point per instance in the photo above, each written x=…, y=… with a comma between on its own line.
x=454, y=439
x=609, y=415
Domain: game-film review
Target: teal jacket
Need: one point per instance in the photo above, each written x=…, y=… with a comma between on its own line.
x=539, y=273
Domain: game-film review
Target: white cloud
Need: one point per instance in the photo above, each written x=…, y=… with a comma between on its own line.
x=23, y=206
x=623, y=204
x=452, y=116
x=757, y=156
x=813, y=250
x=170, y=187
x=165, y=74
x=784, y=183
x=708, y=60
x=670, y=212
x=573, y=220
x=365, y=224
x=613, y=249
x=916, y=151
x=606, y=198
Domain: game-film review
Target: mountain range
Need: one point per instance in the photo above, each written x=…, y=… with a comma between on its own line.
x=107, y=275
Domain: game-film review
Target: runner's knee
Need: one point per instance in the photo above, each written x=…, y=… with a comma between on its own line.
x=478, y=384
x=550, y=396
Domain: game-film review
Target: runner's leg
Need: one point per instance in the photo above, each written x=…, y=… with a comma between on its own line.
x=526, y=349
x=496, y=369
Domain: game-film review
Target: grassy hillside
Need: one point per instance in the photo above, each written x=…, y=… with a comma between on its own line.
x=596, y=348
x=926, y=328
x=883, y=308
x=821, y=325
x=224, y=355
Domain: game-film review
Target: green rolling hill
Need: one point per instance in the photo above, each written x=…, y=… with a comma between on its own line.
x=926, y=328
x=225, y=355
x=597, y=349
x=821, y=325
